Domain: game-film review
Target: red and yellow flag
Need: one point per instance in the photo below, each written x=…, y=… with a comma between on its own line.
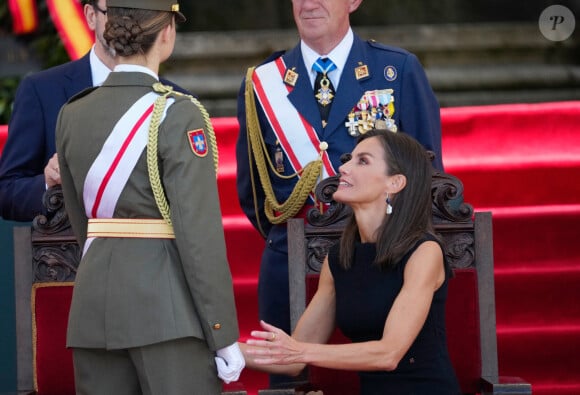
x=67, y=16
x=24, y=16
x=69, y=19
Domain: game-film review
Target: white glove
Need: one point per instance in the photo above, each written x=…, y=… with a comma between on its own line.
x=230, y=363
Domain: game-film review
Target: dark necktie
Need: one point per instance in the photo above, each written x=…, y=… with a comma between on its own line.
x=323, y=89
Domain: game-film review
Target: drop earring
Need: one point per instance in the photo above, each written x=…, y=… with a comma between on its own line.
x=389, y=207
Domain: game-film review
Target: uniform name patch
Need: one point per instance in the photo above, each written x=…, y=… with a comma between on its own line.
x=198, y=142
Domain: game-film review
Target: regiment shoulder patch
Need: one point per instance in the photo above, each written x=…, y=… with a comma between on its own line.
x=198, y=142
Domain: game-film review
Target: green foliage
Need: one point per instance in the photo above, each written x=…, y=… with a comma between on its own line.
x=7, y=90
x=46, y=42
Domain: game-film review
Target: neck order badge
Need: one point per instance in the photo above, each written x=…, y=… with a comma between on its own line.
x=322, y=85
x=323, y=89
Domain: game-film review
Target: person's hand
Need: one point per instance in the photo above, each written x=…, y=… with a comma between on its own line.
x=230, y=363
x=274, y=346
x=52, y=172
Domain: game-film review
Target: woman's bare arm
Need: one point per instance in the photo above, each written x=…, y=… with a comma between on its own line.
x=423, y=275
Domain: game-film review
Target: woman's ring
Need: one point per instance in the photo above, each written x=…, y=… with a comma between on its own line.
x=273, y=337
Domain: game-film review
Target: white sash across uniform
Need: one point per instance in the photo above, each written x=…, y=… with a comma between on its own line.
x=296, y=136
x=111, y=169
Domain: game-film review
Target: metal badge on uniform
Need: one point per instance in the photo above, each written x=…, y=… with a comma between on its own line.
x=279, y=158
x=374, y=110
x=290, y=77
x=390, y=73
x=352, y=125
x=198, y=142
x=361, y=71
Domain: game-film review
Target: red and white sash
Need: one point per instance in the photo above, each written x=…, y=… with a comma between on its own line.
x=111, y=169
x=296, y=136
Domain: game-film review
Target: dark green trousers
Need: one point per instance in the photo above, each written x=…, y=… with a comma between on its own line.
x=181, y=366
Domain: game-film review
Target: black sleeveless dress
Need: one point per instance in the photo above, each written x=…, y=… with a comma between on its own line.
x=364, y=296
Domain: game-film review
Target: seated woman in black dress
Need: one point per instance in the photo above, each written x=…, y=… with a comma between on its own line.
x=384, y=284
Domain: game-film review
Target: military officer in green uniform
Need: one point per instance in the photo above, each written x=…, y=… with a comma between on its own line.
x=153, y=308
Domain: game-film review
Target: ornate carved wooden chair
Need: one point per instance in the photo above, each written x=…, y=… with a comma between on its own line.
x=46, y=257
x=470, y=313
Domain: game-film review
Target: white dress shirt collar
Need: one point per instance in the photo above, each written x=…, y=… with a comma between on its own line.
x=136, y=67
x=338, y=56
x=99, y=71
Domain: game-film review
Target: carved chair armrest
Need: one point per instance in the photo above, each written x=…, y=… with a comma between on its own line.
x=505, y=385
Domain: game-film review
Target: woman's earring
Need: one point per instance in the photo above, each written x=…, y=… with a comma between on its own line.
x=389, y=207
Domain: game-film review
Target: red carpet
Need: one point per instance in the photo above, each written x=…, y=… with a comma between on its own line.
x=522, y=162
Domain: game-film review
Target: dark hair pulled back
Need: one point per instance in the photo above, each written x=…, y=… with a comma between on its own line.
x=131, y=31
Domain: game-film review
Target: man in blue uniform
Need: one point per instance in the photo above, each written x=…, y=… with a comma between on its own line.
x=300, y=110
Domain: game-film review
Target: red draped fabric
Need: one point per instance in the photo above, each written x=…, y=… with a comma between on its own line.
x=514, y=155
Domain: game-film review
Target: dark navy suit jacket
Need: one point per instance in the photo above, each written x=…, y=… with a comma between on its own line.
x=31, y=141
x=31, y=135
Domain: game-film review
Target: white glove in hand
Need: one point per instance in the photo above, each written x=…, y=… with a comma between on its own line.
x=230, y=363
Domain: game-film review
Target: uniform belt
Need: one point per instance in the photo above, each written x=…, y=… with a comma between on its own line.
x=130, y=228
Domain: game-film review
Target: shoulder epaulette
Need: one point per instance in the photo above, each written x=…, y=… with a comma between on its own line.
x=169, y=91
x=82, y=93
x=375, y=44
x=272, y=57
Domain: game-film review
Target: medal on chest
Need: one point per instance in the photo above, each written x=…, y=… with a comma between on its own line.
x=374, y=110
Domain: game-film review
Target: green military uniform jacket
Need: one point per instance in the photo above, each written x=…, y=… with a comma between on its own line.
x=131, y=292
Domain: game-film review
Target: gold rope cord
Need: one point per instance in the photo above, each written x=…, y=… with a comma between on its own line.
x=309, y=174
x=209, y=129
x=152, y=159
x=254, y=192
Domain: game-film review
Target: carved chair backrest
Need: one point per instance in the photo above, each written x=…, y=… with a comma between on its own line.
x=470, y=317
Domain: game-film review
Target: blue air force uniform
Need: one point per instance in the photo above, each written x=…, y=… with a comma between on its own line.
x=370, y=66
